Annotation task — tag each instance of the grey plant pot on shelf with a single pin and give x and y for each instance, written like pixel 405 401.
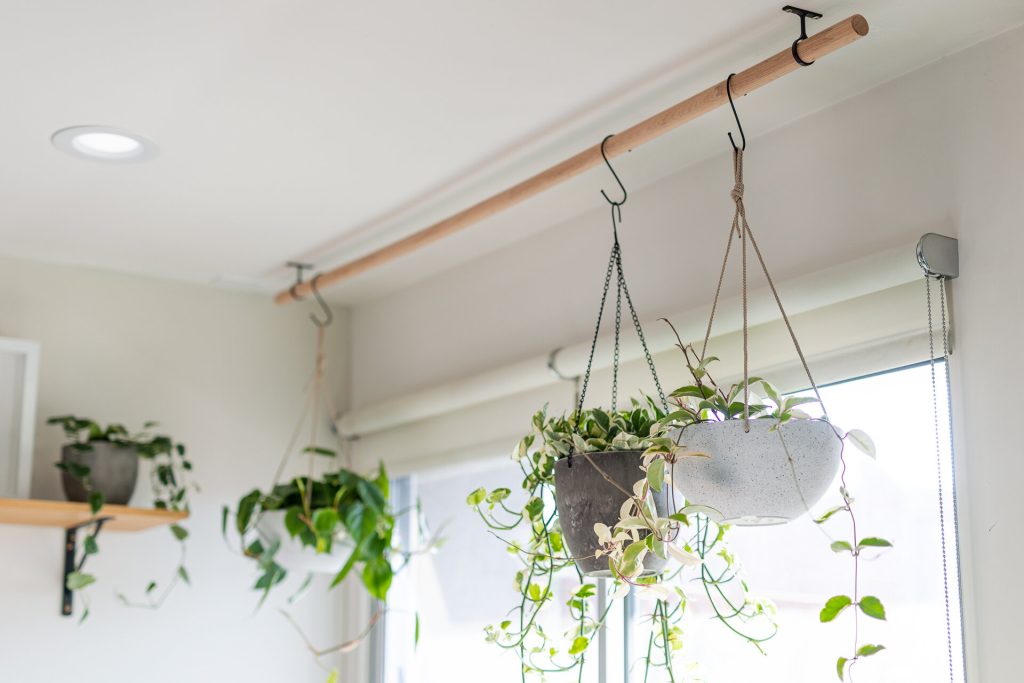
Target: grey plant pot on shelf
pixel 584 498
pixel 114 470
pixel 764 477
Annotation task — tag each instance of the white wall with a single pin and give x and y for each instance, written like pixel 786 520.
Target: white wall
pixel 937 150
pixel 986 104
pixel 224 373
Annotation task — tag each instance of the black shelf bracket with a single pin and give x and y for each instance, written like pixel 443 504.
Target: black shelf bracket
pixel 70 550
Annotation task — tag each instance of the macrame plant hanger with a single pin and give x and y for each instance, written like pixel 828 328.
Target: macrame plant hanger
pixel 318 397
pixel 740 229
pixel 621 292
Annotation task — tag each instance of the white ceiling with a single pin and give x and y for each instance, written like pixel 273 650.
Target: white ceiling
pixel 294 129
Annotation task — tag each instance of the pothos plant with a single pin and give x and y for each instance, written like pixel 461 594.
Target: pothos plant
pixel 340 511
pixel 550 586
pixel 339 507
pixel 705 400
pixel 169 481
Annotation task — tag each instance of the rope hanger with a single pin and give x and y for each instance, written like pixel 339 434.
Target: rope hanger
pixel 740 228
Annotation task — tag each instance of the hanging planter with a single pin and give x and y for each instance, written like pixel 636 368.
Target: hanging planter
pixel 770 475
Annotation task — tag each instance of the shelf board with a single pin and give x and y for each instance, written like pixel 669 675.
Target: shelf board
pixel 65 515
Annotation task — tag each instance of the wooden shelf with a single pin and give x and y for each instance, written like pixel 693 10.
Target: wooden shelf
pixel 65 515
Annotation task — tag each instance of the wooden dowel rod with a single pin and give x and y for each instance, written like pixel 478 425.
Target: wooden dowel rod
pixel 813 48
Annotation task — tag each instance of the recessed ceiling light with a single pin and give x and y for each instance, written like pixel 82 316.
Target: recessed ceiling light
pixel 103 143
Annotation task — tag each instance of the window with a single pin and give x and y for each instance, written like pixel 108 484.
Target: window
pixel 468 584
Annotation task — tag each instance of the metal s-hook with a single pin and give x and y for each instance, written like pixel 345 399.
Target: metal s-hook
pixel 328 313
pixel 804 15
pixel 625 195
pixel 743 136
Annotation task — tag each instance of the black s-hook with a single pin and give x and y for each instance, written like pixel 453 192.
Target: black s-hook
pixel 743 136
pixel 617 205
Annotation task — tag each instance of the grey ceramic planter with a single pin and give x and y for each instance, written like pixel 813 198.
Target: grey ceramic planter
pixel 584 498
pixel 114 470
pixel 748 477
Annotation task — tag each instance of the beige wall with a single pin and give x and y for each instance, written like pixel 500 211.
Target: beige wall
pixel 224 373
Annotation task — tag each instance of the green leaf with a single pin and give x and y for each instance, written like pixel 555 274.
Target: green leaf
pixel 872 606
pixel 224 512
pixel 840 546
pixel 317 450
pixel 324 521
pixel 873 542
pixel 476 497
pixel 841 667
pixel 293 521
pixel 96 500
pixel 579 645
pixel 825 517
pixel 180 532
pixel 78 580
pixel 377 576
pixel 416 631
pixel 632 556
pixel 868 650
pixel 184 575
pixel 498 495
pixel 656 474
pixel 834 606
pixel 862 442
pixel 91 547
pixel 534 508
pixel 77 471
pixel 333 676
pixel 150 587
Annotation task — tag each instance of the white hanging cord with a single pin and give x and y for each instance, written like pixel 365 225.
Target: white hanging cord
pixel 741 229
pixel 938 463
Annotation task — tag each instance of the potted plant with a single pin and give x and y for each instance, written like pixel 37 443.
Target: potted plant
pixel 768 461
pixel 596 456
pixel 99 465
pixel 341 520
pixel 638 535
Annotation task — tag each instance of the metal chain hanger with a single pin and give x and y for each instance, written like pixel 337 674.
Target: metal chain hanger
pixel 740 228
pixel 941 280
pixel 621 292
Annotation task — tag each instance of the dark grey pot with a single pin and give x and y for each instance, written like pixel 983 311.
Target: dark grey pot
pixel 114 472
pixel 584 498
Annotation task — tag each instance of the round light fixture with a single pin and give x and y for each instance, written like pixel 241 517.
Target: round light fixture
pixel 103 143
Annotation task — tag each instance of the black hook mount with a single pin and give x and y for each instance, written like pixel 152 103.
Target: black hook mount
pixel 804 15
pixel 301 268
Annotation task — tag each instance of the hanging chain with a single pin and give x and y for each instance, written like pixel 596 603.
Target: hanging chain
pixel 938 464
pixel 622 292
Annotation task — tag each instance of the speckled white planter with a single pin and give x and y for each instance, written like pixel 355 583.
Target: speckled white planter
pixel 748 477
pixel 294 556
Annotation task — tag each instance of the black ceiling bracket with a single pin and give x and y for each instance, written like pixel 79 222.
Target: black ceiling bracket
pixel 70 550
pixel 804 15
